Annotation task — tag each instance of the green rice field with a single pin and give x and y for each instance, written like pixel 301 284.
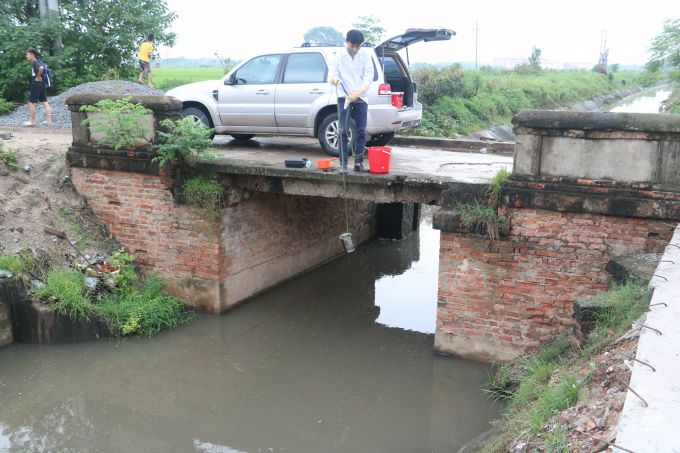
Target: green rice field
pixel 195 74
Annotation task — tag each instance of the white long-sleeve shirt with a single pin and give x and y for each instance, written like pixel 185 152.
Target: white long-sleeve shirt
pixel 353 72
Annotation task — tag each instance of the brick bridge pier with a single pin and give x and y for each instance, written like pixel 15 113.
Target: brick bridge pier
pixel 586 186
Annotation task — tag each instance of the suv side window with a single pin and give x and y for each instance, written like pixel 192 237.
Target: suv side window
pixel 392 69
pixel 307 67
pixel 258 71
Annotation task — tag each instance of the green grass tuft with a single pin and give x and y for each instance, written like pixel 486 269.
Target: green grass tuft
pixel 65 291
pixel 476 216
pixel 495 183
pixel 17 264
pixel 8 156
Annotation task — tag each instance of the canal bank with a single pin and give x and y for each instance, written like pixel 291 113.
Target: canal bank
pixel 339 359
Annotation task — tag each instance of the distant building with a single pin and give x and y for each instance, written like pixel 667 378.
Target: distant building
pixel 579 65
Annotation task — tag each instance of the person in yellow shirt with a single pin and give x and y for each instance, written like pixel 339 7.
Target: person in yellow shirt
pixel 145 51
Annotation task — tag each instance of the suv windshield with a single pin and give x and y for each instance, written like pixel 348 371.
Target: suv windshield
pixel 259 70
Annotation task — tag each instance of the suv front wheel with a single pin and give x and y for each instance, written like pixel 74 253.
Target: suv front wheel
pixel 329 134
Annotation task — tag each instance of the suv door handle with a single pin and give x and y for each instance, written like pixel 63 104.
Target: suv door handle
pixel 262 92
pixel 316 91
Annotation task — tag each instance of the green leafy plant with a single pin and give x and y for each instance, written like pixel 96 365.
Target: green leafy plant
pixel 123 123
pixel 499 381
pixel 187 140
pixel 5 106
pixel 370 27
pixel 8 156
pixel 127 279
pixel 97 35
pixel 326 35
pixel 226 63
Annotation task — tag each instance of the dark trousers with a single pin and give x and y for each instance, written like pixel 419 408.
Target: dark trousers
pixel 359 111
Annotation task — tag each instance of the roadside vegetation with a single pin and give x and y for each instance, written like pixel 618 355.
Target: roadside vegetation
pixel 8 156
pixel 459 102
pixel 111 292
pixel 536 387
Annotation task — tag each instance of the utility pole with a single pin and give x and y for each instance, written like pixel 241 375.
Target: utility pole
pixel 50 8
pixel 476 30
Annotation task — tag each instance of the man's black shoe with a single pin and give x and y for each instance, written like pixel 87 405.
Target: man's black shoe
pixel 342 170
pixel 360 168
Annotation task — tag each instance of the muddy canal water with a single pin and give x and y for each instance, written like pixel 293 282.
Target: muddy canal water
pixel 339 359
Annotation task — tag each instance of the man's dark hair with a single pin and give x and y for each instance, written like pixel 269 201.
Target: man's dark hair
pixel 150 37
pixel 355 37
pixel 33 51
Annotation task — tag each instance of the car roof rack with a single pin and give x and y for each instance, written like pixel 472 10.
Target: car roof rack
pixel 318 44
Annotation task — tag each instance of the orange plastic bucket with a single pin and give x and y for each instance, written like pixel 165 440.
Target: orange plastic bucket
pixel 379 159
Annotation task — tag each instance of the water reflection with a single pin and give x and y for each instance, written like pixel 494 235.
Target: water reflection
pixel 303 368
pixel 646 102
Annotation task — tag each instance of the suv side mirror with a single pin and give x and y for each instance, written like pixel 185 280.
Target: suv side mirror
pixel 228 81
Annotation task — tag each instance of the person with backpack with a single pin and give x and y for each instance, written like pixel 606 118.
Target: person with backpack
pixel 38 93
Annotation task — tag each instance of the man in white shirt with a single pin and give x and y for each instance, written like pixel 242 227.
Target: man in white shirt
pixel 352 71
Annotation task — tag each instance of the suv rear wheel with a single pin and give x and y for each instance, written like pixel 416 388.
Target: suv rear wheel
pixel 198 116
pixel 329 134
pixel 380 139
pixel 242 136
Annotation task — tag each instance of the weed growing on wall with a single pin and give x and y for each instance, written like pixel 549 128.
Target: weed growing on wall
pixel 8 156
pixel 483 216
pixel 479 216
pixel 187 140
pixel 123 123
pixel 208 196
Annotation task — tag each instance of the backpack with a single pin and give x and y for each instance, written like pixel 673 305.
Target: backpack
pixel 46 73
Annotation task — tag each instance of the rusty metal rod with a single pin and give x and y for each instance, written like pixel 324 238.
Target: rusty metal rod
pixel 633 358
pixel 652 328
pixel 674 226
pixel 653 305
pixel 653 275
pixel 668 243
pixel 636 394
pixel 608 443
pixel 663 261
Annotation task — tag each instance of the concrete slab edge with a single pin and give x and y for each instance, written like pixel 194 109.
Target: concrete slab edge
pixel 654 428
pixel 457 145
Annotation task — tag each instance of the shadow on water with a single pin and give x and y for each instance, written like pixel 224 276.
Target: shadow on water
pixel 302 368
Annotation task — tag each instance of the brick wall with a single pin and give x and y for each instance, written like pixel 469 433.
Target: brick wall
pixel 260 241
pixel 497 300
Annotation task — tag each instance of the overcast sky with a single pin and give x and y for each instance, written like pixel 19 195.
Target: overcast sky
pixel 567 31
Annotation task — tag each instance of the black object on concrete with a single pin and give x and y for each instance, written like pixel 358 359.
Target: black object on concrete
pixel 297 162
pixel 397 220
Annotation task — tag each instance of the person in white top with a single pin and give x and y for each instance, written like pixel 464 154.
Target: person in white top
pixel 352 71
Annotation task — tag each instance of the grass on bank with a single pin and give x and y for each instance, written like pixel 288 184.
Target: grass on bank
pixel 549 382
pixel 8 156
pixel 136 307
pixel 459 101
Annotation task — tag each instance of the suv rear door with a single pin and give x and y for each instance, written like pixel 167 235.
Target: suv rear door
pixel 247 104
pixel 303 90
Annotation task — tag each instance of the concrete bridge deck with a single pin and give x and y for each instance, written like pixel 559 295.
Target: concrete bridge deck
pixel 417 175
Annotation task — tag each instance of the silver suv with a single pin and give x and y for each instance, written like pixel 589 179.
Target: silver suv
pixel 287 93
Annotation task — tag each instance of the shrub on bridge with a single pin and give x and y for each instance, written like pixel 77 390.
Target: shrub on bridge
pixel 122 122
pixel 187 140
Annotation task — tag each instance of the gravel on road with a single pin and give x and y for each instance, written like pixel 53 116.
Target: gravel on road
pixel 61 117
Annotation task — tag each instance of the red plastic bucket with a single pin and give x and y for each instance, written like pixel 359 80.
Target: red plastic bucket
pixel 397 99
pixel 379 159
